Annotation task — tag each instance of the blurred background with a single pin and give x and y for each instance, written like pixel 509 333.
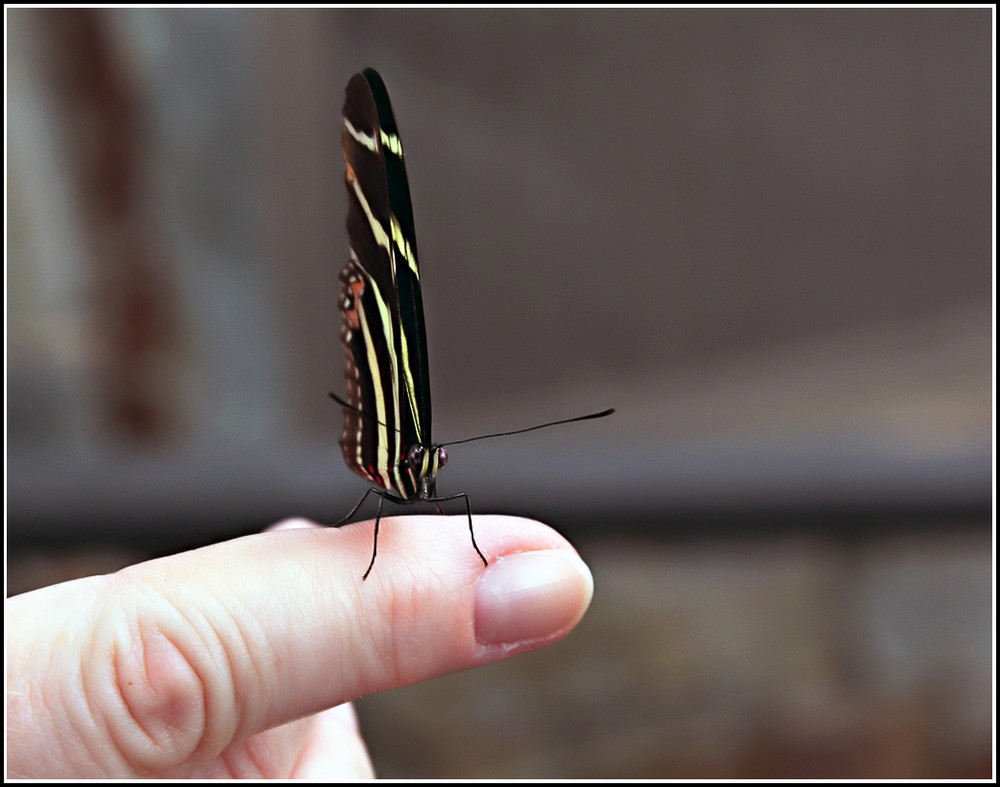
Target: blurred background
pixel 764 236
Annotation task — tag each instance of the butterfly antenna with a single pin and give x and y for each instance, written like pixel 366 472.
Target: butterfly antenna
pixel 533 428
pixel 587 417
pixel 357 410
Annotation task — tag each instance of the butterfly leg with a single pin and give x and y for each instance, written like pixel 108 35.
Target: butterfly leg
pixel 378 518
pixel 382 496
pixel 468 511
pixel 354 510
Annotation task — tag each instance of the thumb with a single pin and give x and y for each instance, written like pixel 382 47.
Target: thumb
pixel 166 666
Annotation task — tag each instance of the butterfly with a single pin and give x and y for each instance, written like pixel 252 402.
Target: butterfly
pixel 386 437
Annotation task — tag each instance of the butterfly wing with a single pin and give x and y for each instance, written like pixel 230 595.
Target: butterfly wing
pixel 381 309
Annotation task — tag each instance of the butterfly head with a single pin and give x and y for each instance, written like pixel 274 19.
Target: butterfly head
pixel 425 462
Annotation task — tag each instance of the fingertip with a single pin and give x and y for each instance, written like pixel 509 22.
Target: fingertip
pixel 531 597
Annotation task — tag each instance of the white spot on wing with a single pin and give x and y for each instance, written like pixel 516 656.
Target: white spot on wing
pixel 365 140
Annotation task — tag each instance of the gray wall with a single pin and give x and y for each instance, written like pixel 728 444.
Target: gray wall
pixel 763 235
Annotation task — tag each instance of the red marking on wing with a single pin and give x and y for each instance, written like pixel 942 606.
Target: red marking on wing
pixel 356 289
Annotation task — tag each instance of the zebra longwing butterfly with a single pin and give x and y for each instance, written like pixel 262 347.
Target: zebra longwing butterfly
pixel 387 414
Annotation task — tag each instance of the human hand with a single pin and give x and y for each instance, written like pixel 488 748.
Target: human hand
pixel 240 659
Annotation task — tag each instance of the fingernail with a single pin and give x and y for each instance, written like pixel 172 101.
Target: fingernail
pixel 531 595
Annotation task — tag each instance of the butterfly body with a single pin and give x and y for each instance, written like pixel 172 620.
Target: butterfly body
pixel 382 314
pixel 386 437
pixel 387 415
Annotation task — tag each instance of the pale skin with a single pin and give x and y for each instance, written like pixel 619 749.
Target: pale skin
pixel 241 659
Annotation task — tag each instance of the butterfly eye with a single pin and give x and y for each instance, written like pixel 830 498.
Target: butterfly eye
pixel 442 456
pixel 415 456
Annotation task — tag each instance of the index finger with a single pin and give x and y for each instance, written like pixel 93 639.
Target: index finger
pixel 186 654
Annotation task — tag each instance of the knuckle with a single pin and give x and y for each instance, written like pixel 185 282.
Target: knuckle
pixel 161 685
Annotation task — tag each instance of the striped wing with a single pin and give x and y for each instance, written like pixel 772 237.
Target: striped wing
pixel 382 314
